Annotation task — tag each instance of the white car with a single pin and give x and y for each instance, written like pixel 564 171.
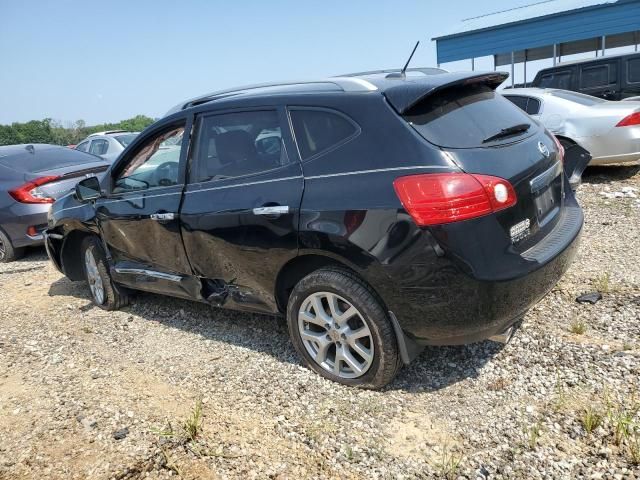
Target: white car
pixel 610 131
pixel 107 145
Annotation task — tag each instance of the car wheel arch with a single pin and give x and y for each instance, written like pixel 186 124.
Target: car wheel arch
pixel 302 265
pixel 71 255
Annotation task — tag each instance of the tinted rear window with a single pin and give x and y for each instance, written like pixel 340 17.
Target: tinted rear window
pixel 556 80
pixel 319 130
pixel 576 97
pixel 125 140
pixel 463 117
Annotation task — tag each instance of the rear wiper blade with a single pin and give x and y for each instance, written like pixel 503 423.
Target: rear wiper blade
pixel 506 132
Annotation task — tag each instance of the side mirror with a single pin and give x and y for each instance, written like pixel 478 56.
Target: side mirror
pixel 88 189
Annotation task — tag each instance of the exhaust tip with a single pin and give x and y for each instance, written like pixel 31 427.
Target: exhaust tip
pixel 503 337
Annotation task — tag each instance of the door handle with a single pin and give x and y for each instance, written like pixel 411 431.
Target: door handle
pixel 162 216
pixel 272 211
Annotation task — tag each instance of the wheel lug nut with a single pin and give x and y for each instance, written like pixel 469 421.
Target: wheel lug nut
pixel 329 337
pixel 344 337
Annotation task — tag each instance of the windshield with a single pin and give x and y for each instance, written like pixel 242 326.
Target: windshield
pixel 125 140
pixel 576 97
pixel 468 117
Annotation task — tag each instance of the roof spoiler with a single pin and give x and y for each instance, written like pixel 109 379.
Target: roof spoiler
pixel 408 93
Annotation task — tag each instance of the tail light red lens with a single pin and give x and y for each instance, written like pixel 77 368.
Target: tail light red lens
pixel 433 199
pixel 559 147
pixel 30 193
pixel 630 120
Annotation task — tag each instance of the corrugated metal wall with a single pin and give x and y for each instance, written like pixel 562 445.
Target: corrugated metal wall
pixel 620 17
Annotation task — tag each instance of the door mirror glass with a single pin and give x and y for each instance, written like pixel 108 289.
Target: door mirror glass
pixel 88 189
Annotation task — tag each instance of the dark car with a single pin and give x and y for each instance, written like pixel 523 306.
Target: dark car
pixel 613 77
pixel 31 178
pixel 379 213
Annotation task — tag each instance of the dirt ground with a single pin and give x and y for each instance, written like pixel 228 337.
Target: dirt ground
pixel 167 388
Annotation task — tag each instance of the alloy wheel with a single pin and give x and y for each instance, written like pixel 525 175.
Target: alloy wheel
pixel 93 277
pixel 3 250
pixel 335 335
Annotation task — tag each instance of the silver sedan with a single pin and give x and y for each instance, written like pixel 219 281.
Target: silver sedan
pixel 610 131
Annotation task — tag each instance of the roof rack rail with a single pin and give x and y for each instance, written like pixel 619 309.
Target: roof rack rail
pixel 425 70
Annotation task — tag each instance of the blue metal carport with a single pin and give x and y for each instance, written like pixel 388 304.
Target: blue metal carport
pixel 546 29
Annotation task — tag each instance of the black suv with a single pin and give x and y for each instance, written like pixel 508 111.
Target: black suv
pixel 613 78
pixel 379 213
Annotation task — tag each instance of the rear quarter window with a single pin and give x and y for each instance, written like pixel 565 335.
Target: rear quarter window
pixel 463 117
pixel 318 130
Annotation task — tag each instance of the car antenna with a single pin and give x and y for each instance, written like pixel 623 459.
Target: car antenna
pixel 401 73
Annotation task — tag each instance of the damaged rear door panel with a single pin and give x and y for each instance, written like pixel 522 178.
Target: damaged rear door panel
pixel 239 215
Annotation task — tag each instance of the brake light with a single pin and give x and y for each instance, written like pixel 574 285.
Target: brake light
pixel 629 120
pixel 433 199
pixel 559 147
pixel 30 193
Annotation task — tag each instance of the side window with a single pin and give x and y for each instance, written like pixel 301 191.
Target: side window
pixel 533 106
pixel 319 130
pixel 518 101
pixel 83 146
pixel 633 70
pixel 99 147
pixel 237 144
pixel 556 80
pixel 154 164
pixel 596 76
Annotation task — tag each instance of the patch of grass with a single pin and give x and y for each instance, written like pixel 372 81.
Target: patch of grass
pixel 448 462
pixel 577 327
pixel 602 283
pixel 633 446
pixel 559 400
pixel 591 419
pixel 532 434
pixel 192 426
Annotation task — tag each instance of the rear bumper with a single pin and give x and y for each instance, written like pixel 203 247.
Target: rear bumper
pixel 446 303
pixel 16 229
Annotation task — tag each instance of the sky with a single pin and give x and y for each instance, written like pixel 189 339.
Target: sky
pixel 104 61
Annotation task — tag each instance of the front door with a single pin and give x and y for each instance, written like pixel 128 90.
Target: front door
pixel 240 210
pixel 138 216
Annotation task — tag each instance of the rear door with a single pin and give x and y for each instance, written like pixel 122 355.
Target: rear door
pixel 138 216
pixel 241 206
pixel 600 79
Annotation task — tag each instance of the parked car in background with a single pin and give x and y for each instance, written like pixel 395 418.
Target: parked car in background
pixel 392 212
pixel 107 145
pixel 31 178
pixel 610 131
pixel 612 77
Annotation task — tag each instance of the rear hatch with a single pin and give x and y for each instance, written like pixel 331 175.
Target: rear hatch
pixel 483 133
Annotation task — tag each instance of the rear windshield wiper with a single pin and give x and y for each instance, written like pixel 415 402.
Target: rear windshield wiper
pixel 507 132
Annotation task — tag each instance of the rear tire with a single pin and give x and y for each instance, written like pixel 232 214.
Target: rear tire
pixel 104 292
pixel 341 330
pixel 9 253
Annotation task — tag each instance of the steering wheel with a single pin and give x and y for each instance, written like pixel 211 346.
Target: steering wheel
pixel 166 174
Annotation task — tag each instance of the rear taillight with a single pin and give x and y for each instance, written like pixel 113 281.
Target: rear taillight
pixel 31 193
pixel 630 120
pixel 433 199
pixel 559 147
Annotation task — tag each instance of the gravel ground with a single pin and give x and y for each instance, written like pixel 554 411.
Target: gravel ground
pixel 91 394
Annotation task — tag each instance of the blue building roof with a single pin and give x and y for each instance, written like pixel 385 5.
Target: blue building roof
pixel 537 25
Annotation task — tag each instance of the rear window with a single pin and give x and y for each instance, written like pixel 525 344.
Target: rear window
pixel 579 98
pixel 462 117
pixel 633 70
pixel 317 131
pixel 125 140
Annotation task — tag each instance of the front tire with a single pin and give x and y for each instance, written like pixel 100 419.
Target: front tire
pixel 341 330
pixel 8 253
pixel 104 292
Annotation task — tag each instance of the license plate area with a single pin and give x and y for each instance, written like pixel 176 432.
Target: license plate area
pixel 546 189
